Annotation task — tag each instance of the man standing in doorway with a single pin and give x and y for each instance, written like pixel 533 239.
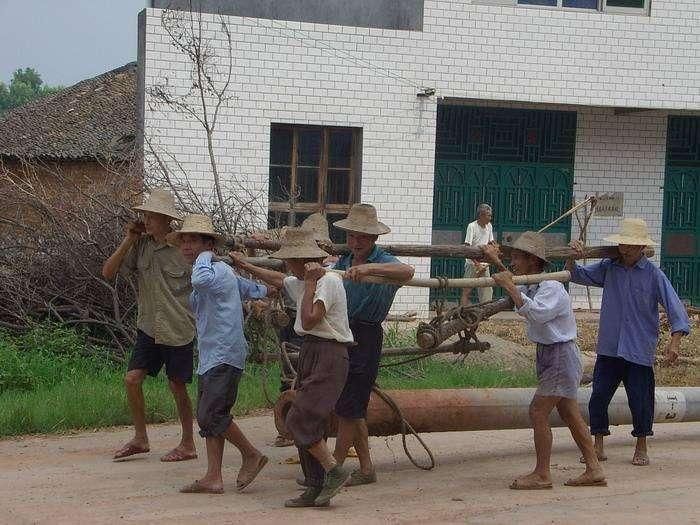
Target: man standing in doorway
pixel 368 306
pixel 479 233
pixel 165 327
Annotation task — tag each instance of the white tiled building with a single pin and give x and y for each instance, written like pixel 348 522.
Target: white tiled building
pixel 534 105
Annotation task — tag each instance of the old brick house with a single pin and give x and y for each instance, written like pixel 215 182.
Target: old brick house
pixel 86 131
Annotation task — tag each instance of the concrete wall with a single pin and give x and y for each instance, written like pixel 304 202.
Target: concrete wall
pixel 386 14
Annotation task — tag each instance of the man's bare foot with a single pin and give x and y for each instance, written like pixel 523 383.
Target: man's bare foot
pixel 640 458
pixel 590 478
pixel 204 486
pixel 135 446
pixel 250 468
pixel 180 453
pixel 532 481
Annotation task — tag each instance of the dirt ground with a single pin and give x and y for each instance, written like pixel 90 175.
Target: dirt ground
pixel 71 479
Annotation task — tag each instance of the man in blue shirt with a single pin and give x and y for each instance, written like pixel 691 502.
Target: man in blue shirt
pixel 368 306
pixel 551 324
pixel 216 301
pixel 629 331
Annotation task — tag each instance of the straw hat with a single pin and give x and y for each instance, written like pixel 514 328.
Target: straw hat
pixel 362 219
pixel 160 201
pixel 200 224
pixel 318 225
pixel 532 243
pixel 634 232
pixel 299 243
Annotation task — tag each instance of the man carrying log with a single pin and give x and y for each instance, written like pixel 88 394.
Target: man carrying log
pixel 322 321
pixel 217 301
pixel 550 320
pixel 628 334
pixel 165 329
pixel 368 306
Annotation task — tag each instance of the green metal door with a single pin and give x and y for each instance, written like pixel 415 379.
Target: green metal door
pixel 518 161
pixel 680 253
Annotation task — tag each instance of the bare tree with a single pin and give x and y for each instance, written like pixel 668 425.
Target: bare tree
pixel 235 207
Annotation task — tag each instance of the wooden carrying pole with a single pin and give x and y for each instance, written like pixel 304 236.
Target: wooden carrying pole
pixel 458 251
pixel 566 214
pixel 476 282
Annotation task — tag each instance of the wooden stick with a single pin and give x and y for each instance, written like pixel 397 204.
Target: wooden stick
pixel 459 251
pixel 477 282
pixel 572 210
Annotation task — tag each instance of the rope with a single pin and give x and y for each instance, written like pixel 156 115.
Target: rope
pixel 406 428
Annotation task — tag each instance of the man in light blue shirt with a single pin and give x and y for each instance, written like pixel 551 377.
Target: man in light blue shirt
pixel 628 332
pixel 216 301
pixel 551 325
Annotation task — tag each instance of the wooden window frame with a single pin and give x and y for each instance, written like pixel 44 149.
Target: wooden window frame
pixel 292 207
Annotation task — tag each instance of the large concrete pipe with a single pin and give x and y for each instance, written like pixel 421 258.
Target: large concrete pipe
pixel 495 409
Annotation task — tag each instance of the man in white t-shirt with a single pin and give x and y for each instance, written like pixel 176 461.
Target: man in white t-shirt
pixel 322 368
pixel 479 233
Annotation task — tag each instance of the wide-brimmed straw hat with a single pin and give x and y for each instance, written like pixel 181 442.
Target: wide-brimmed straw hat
pixel 199 224
pixel 299 243
pixel 532 243
pixel 634 232
pixel 362 219
pixel 160 201
pixel 318 225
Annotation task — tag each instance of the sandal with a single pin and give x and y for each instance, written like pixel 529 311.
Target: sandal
pixel 246 478
pixel 587 480
pixel 530 484
pixel 198 488
pixel 129 450
pixel 178 454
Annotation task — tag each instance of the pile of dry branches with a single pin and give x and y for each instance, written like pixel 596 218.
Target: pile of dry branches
pixel 56 230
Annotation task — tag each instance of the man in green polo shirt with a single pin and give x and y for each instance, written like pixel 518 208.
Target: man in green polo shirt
pixel 165 326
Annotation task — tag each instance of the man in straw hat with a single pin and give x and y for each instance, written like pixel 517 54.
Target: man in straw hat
pixel 322 320
pixel 165 329
pixel 550 321
pixel 368 306
pixel 628 334
pixel 318 225
pixel 216 300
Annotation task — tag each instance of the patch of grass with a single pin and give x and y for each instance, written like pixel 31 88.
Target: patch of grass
pixel 52 381
pixel 397 336
pixel 434 372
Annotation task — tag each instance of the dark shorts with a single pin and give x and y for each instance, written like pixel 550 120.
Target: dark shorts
pixel 217 392
pixel 364 367
pixel 151 357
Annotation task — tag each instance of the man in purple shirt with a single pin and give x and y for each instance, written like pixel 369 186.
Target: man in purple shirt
pixel 633 288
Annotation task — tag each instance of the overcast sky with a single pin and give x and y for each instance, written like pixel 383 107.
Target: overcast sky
pixel 67 40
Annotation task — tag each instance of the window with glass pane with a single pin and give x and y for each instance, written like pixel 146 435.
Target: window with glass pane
pixel 312 168
pixel 635 4
pixel 550 3
pixel 581 4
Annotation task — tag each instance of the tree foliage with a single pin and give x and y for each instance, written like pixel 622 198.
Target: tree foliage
pixel 26 85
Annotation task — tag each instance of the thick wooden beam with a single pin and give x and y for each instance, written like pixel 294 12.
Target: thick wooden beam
pixel 458 251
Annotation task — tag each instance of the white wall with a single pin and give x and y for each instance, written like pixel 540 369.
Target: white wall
pixel 317 74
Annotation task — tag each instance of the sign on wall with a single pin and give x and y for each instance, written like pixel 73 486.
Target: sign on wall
pixel 609 204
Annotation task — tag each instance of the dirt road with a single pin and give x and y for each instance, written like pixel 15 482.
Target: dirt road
pixel 71 479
